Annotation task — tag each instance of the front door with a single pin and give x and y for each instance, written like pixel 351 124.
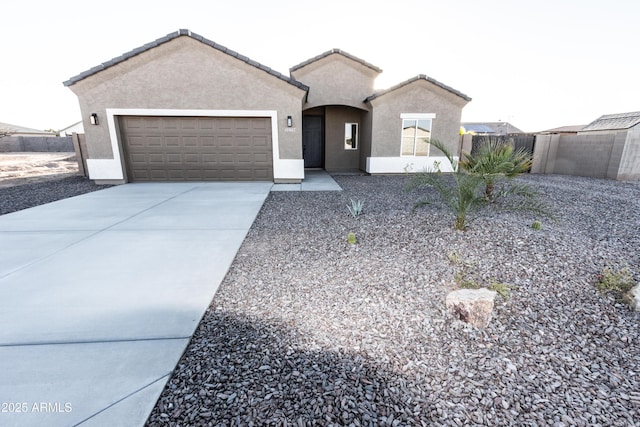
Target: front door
pixel 312 141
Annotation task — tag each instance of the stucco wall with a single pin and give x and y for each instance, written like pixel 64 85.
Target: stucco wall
pixel 597 154
pixel 420 96
pixel 630 158
pixel 365 146
pixel 336 157
pixel 336 80
pixel 187 74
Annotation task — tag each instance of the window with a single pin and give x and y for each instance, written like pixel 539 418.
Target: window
pixel 350 136
pixel 416 133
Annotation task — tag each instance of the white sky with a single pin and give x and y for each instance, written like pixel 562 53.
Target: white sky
pixel 537 64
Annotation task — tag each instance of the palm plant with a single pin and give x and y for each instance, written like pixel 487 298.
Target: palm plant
pixel 462 191
pixel 495 160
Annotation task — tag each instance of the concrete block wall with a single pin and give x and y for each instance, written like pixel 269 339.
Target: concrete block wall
pixel 614 155
pixel 630 159
pixel 19 144
pixel 584 155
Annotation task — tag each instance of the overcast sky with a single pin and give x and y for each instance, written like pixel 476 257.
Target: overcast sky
pixel 537 64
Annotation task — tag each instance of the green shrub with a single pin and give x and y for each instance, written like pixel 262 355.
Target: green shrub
pixel 502 289
pixel 351 238
pixel 616 282
pixel 536 225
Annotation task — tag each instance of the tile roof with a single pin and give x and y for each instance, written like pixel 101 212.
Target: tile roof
pixel 331 52
pixel 564 129
pixel 414 79
pixel 614 121
pixel 174 35
pixel 496 128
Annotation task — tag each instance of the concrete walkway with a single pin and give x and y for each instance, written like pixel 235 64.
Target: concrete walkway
pixel 314 180
pixel 101 293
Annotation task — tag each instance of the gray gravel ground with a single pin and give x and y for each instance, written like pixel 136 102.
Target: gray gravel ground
pixel 308 330
pixel 29 195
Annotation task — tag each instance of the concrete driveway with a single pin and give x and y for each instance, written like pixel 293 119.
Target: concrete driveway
pixel 100 294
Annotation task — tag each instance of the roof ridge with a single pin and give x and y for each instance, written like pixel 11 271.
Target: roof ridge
pixel 182 32
pixel 414 79
pixel 331 52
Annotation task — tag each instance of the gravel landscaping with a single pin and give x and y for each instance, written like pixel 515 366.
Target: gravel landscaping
pixel 18 197
pixel 307 329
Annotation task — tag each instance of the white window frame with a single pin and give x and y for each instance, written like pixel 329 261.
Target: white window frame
pixel 357 144
pixel 415 116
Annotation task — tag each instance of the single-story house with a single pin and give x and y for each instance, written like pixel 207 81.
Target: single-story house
pixel 490 128
pixel 18 139
pixel 613 123
pixel 562 130
pixel 77 127
pixel 186 108
pixel 15 131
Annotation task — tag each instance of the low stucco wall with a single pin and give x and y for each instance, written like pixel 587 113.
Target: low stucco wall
pixel 598 155
pixel 630 158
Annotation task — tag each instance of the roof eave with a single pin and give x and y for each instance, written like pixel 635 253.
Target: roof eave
pixel 334 52
pixel 172 36
pixel 415 79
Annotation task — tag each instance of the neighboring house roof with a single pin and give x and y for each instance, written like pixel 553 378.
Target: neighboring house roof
pixel 21 130
pixel 168 38
pixel 332 52
pixel 76 127
pixel 414 79
pixel 614 121
pixel 564 129
pixel 495 128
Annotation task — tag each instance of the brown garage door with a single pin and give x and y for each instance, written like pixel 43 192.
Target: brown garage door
pixel 197 148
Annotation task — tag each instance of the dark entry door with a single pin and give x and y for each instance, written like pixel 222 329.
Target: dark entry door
pixel 312 141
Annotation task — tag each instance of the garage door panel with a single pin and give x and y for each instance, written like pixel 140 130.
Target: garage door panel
pixel 197 148
pixel 154 158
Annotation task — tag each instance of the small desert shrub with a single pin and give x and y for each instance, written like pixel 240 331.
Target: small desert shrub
pixel 453 258
pixel 351 238
pixel 536 225
pixel 502 289
pixel 355 208
pixel 616 282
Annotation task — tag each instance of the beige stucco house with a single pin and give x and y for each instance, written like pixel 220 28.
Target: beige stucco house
pixel 186 108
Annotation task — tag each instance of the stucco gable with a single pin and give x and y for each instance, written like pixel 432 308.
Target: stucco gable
pixel 359 62
pixel 170 37
pixel 419 78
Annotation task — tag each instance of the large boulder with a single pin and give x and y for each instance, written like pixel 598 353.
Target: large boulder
pixel 473 306
pixel 633 297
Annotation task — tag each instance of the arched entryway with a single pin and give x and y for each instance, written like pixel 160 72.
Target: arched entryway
pixel 333 137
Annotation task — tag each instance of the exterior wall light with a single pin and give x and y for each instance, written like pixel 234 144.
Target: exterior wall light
pixel 289 121
pixel 93 119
